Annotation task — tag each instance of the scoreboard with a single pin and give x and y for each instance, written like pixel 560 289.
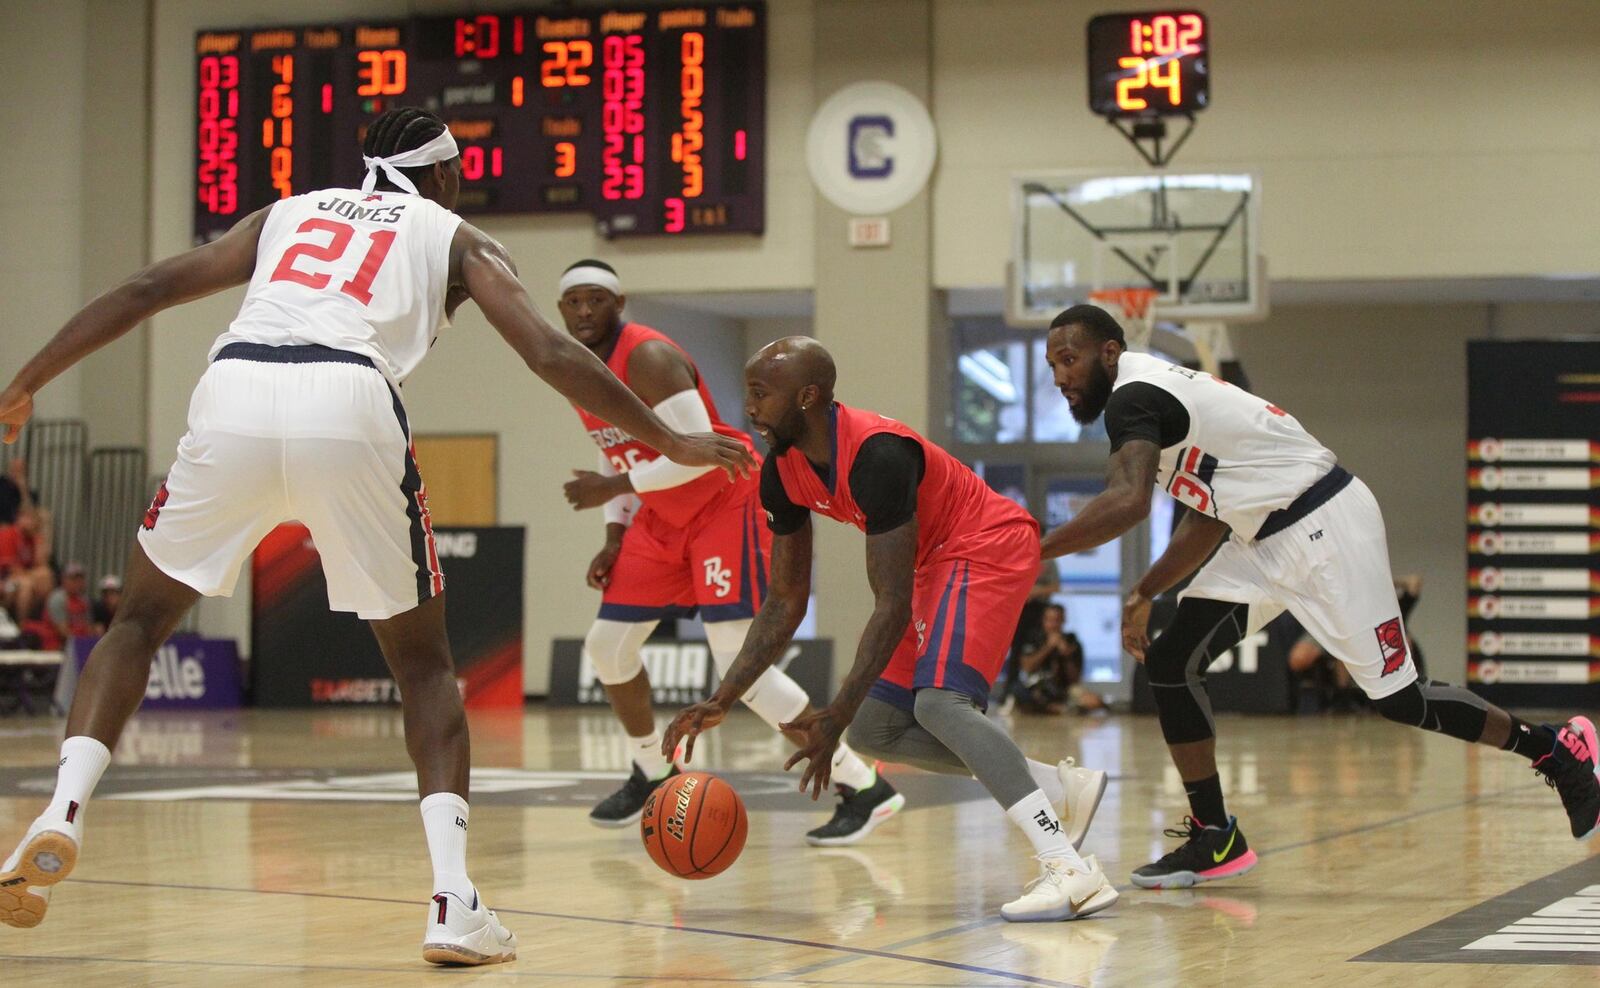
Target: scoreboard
pixel 650 118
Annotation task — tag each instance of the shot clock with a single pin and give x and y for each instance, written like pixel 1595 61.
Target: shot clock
pixel 650 118
pixel 1149 64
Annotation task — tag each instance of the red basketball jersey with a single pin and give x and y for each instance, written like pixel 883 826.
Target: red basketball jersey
pixel 956 510
pixel 675 504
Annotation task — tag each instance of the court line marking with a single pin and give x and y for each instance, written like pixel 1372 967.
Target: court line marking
pixel 860 952
pixel 435 971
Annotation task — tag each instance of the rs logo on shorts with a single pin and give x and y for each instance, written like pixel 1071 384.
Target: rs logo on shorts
pixel 1392 643
pixel 718 576
pixel 154 512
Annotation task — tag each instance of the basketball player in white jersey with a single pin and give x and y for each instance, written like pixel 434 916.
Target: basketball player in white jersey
pixel 1301 534
pixel 299 417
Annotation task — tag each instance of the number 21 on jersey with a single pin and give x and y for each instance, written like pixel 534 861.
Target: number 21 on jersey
pixel 358 287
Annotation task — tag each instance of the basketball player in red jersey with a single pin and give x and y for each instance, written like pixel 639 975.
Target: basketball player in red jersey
pixel 1274 524
pixel 950 563
pixel 678 538
pixel 299 416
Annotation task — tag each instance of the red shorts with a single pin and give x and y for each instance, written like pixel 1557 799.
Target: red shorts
pixel 964 611
pixel 718 562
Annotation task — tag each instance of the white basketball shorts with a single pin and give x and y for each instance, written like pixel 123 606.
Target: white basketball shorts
pixel 306 434
pixel 1330 570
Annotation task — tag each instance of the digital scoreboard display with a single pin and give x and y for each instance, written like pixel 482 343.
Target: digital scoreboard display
pixel 1149 64
pixel 650 118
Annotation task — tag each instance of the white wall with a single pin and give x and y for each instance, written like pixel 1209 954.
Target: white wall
pixel 1397 138
pixel 42 73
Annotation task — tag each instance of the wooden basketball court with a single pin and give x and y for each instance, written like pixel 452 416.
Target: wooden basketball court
pixel 286 848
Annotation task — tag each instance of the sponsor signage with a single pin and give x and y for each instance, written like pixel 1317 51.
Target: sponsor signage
pixel 187 673
pixel 1533 506
pixel 303 654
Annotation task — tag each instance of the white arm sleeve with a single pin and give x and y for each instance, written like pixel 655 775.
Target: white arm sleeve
pixel 685 412
pixel 620 509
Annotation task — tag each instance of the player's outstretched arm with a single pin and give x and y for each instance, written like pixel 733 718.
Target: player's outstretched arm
pixel 225 262
pixel 1130 481
pixel 891 563
pixel 486 271
pixel 1196 537
pixel 774 625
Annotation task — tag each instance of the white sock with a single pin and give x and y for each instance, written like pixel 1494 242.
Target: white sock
pixel 1037 818
pixel 647 755
pixel 850 770
pixel 444 820
pixel 1048 781
pixel 83 761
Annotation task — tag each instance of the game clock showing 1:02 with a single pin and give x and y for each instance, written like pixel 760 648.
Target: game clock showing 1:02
pixel 1149 64
pixel 652 119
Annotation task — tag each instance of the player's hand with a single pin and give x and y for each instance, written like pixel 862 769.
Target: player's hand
pixel 685 727
pixel 822 730
pixel 1136 625
pixel 600 566
pixel 588 489
pixel 707 449
pixel 16 407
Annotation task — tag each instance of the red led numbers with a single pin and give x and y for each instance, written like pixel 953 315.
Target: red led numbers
pixel 622 117
pixel 217 175
pixel 691 137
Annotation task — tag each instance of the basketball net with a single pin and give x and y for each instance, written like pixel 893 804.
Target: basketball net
pixel 1137 308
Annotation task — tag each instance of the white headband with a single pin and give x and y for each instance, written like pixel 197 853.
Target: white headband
pixel 591 275
pixel 441 148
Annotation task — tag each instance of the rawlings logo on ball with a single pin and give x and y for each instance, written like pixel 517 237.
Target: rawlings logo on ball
pixel 680 812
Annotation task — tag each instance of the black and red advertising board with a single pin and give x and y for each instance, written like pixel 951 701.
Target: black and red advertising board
pixel 1533 522
pixel 303 654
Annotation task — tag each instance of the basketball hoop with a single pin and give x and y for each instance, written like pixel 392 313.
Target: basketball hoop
pixel 1138 311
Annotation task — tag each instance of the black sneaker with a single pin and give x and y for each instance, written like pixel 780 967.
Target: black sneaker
pixel 858 814
pixel 1207 854
pixel 624 806
pixel 1570 770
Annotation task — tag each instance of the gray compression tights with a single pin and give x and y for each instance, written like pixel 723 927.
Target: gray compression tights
pixel 948 734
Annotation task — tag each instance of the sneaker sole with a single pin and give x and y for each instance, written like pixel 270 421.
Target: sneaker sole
pixel 46 859
pixel 450 953
pixel 1189 879
pixel 1102 899
pixel 1586 727
pixel 882 812
pixel 1091 799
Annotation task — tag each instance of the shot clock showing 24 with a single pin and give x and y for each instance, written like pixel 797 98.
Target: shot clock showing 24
pixel 1149 64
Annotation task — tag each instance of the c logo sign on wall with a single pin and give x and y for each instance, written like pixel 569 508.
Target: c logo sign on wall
pixel 871 147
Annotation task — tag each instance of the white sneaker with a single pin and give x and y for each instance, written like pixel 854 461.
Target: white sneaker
pixel 459 934
pixel 1061 892
pixel 1083 788
pixel 45 856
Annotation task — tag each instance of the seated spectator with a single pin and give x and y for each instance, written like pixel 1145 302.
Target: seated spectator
pixel 14 492
pixel 68 612
pixel 1050 669
pixel 105 605
pixel 25 577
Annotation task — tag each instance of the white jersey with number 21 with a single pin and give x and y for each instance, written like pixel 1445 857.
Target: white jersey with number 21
pixel 357 271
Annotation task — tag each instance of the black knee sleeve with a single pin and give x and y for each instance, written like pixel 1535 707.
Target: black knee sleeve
pixel 1176 663
pixel 1437 707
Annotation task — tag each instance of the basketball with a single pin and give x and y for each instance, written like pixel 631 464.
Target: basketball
pixel 694 825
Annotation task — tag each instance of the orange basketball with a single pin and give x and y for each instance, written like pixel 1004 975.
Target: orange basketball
pixel 694 825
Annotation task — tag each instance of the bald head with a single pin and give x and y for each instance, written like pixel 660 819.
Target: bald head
pixel 797 361
pixel 787 384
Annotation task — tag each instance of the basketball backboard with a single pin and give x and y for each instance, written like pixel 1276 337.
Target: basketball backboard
pixel 1191 236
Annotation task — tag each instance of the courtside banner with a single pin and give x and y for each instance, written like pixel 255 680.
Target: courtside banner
pixel 681 672
pixel 306 655
pixel 1533 522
